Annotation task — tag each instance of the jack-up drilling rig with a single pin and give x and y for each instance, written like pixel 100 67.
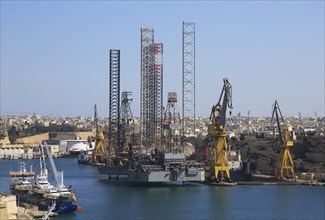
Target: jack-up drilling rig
pixel 284 162
pixel 148 162
pixel 219 169
pixel 99 152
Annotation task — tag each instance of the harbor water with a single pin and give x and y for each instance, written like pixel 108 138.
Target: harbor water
pixel 103 199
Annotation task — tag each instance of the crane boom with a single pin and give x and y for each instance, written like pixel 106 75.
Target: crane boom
pixel 96 119
pixel 218 113
pixel 219 168
pixel 276 109
pixel 284 162
pixel 99 151
pixel 227 101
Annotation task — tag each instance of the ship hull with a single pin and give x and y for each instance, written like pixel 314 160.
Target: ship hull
pixel 63 205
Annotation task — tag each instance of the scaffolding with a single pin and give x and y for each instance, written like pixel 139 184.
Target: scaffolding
pixel 188 88
pixel 114 103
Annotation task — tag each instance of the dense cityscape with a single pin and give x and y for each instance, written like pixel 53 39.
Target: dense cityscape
pixel 236 125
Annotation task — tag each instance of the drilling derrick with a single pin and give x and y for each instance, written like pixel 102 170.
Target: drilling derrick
pixel 284 162
pixel 127 123
pixel 172 125
pixel 99 151
pixel 219 168
pixel 151 90
pixel 114 103
pixel 146 105
pixel 158 99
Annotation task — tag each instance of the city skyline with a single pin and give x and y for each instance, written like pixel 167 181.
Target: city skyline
pixel 54 55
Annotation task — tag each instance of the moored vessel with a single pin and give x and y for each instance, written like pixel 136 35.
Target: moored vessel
pixel 38 191
pixel 21 180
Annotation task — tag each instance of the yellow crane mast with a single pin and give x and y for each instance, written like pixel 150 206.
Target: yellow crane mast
pixel 285 162
pixel 219 169
pixel 99 151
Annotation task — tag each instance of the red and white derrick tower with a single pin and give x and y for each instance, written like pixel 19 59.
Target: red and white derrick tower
pixel 151 90
pixel 172 125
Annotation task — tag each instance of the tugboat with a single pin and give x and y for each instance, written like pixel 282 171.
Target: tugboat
pixel 41 193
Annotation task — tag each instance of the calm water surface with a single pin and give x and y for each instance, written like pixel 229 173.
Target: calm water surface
pixel 102 199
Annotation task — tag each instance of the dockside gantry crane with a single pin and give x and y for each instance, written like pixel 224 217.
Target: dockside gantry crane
pixel 219 168
pixel 99 152
pixel 284 162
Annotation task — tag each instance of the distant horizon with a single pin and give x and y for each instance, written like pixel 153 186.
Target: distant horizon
pixel 54 54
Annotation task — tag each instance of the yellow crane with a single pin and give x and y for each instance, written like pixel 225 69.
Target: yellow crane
pixel 219 169
pixel 99 151
pixel 284 163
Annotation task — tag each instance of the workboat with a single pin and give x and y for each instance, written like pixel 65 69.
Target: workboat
pixel 21 180
pixel 64 192
pixel 66 202
pixel 43 187
pixel 39 191
pixel 41 184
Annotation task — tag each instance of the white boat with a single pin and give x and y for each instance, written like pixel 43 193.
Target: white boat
pixel 62 190
pixel 41 184
pixel 77 146
pixel 51 193
pixel 21 180
pixel 23 185
pixel 43 194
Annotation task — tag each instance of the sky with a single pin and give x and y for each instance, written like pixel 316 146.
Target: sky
pixel 55 54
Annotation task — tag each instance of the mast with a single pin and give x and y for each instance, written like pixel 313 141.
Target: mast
pixel 55 172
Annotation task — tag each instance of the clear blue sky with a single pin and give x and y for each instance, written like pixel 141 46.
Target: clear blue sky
pixel 54 55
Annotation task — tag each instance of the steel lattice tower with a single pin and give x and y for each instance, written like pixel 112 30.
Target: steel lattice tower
pixel 151 90
pixel 172 124
pixel 126 105
pixel 146 105
pixel 158 99
pixel 114 101
pixel 188 78
pixel 127 123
